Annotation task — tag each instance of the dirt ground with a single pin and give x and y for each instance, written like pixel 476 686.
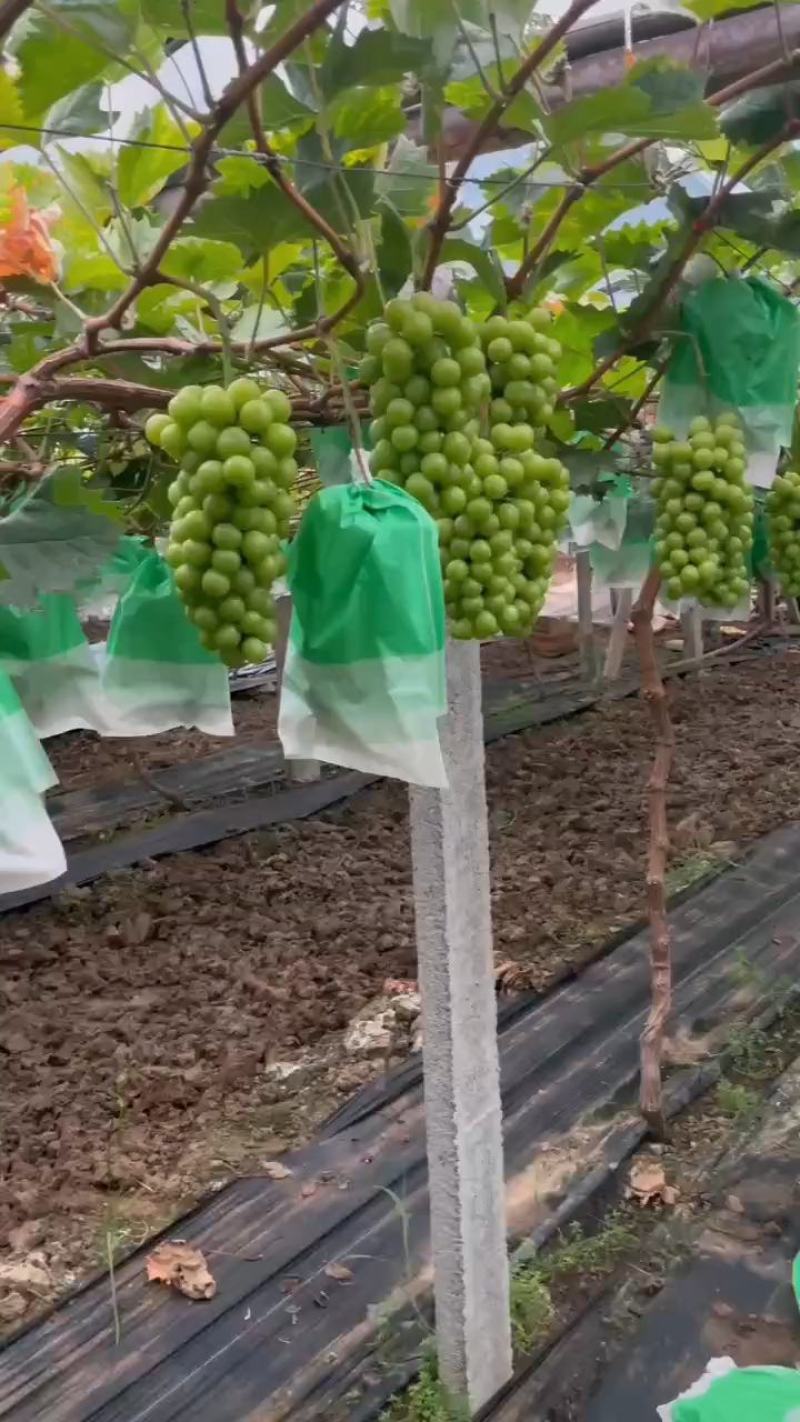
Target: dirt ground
pixel 142 1016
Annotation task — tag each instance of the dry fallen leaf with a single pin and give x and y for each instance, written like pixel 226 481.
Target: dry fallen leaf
pixel 339 1272
pixel 180 1266
pixel 275 1171
pixel 648 1185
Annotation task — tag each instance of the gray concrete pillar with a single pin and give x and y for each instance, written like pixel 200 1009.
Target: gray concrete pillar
pixel 450 854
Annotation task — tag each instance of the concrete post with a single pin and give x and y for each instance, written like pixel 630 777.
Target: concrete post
pixel 692 633
pixel 618 640
pixel 450 855
pixel 586 642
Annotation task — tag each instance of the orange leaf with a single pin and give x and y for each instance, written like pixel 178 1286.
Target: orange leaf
pixel 25 246
pixel 181 1267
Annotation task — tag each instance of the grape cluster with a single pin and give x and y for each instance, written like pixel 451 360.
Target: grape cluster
pixel 704 528
pixel 231 506
pixel 783 530
pixel 469 458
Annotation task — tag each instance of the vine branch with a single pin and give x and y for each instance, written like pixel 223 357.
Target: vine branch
pixel 490 122
pixel 346 258
pixel 196 180
pixel 654 695
pixel 10 12
pixel 694 236
pixel 515 285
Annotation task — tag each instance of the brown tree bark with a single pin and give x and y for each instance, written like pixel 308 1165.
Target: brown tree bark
pixel 652 1039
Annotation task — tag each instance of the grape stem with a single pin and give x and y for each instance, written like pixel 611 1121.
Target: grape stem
pixel 653 693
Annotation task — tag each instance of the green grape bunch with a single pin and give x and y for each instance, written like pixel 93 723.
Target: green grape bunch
pixel 452 410
pixel 704 527
pixel 783 530
pixel 232 503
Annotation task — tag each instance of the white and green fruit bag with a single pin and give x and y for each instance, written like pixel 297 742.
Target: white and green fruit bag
pixel 50 662
pixel 30 850
pixel 726 1393
pixel 738 349
pixel 156 674
pixel 364 678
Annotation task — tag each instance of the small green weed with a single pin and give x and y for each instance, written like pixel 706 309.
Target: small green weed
pixel 532 1311
pixel 736 1102
pixel 687 871
pixel 579 1253
pixel 750 1051
pixel 426 1400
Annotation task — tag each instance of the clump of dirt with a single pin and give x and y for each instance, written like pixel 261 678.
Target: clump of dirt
pixel 140 1015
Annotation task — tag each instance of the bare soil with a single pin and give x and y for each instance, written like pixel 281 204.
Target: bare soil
pixel 138 1015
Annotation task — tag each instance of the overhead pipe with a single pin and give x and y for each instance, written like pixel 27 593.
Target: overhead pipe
pixel 724 51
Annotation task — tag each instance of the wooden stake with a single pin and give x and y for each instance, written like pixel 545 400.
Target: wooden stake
pixel 652 1039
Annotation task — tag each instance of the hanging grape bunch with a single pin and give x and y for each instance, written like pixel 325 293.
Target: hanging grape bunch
pixel 783 530
pixel 430 392
pixel 535 495
pixel 704 528
pixel 231 506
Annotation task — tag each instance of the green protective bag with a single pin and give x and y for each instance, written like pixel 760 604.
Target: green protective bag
pixel 364 680
pixel 760 560
pixel 741 351
pixel 54 670
pixel 617 530
pixel 156 674
pixel 30 850
pixel 726 1393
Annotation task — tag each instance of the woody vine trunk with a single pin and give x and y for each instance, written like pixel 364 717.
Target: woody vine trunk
pixel 654 695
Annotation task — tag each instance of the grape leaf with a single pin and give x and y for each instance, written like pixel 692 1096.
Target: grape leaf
pixel 80 112
pixel 257 323
pixel 484 262
pixel 11 111
pixel 757 117
pixel 428 18
pixel 659 99
pixel 338 194
pixel 202 260
pixel 87 176
pixel 402 182
pixel 708 9
pixel 280 107
pixel 70 45
pixel 142 172
pixel 207 16
pixel 394 249
pixel 251 221
pixel 365 117
pixel 239 175
pixel 378 57
pixel 54 540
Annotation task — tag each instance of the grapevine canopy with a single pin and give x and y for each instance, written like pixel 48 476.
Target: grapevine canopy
pixel 189 187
